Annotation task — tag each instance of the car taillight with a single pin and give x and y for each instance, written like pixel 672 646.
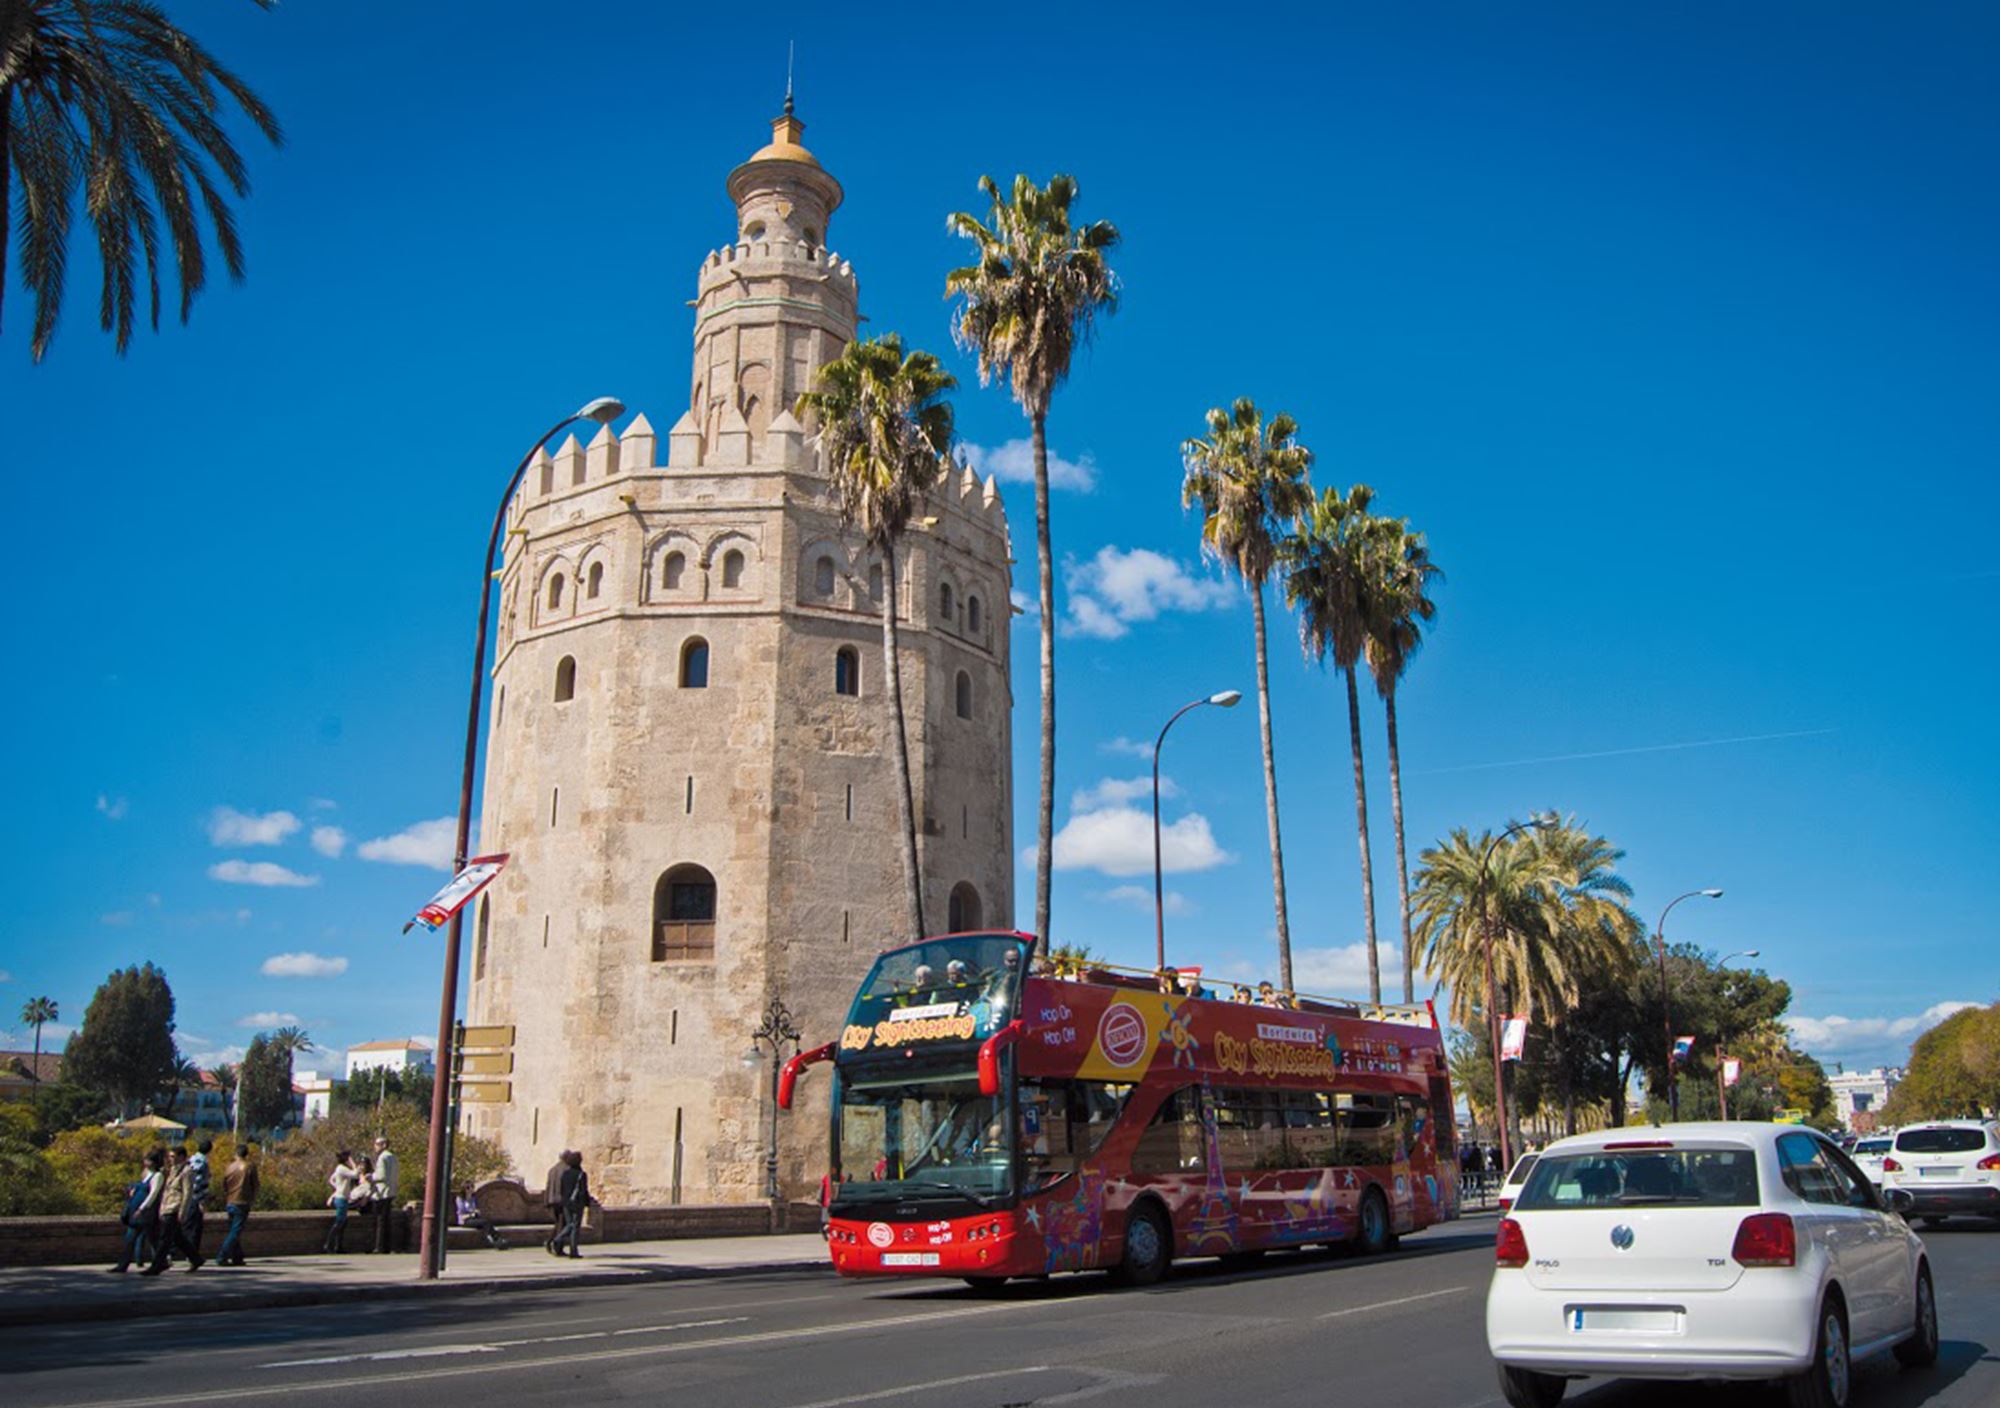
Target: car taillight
pixel 1511 1247
pixel 1889 1165
pixel 1766 1239
pixel 1506 1205
pixel 1989 1163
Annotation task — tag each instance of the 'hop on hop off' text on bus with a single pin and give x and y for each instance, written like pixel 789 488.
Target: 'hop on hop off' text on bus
pixel 990 1122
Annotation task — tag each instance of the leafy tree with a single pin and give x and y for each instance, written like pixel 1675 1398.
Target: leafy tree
pixel 366 1090
pixel 885 428
pixel 1328 582
pixel 1953 1071
pixel 1035 293
pixel 264 1090
pixel 63 1106
pixel 1400 579
pixel 36 1012
pixel 1249 477
pixel 95 1166
pixel 109 100
pixel 295 1168
pixel 29 1186
pixel 126 1045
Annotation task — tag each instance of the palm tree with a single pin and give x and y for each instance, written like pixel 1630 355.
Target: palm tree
pixel 1403 572
pixel 1327 582
pixel 292 1040
pixel 1035 293
pixel 109 99
pixel 226 1077
pixel 884 430
pixel 180 1075
pixel 37 1012
pixel 1250 479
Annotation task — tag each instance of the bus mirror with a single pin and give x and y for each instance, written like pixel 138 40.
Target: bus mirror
pixel 789 1076
pixel 989 1057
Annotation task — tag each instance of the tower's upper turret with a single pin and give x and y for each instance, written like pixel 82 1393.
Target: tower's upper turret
pixel 782 192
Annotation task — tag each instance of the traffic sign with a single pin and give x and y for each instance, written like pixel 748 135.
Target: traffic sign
pixel 486 1063
pixel 485 1037
pixel 495 1092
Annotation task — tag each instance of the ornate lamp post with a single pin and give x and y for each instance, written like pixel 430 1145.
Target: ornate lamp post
pixel 1539 823
pixel 1667 1001
pixel 1226 699
pixel 774 1031
pixel 430 1246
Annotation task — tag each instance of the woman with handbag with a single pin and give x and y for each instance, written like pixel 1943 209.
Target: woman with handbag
pixel 142 1212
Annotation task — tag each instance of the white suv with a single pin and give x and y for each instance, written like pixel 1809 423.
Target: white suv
pixel 1947 1166
pixel 1703 1251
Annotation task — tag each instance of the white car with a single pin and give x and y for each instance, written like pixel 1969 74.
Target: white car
pixel 1946 1166
pixel 1703 1251
pixel 1516 1180
pixel 1867 1154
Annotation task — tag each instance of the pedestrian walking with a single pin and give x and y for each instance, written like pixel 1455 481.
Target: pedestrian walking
pixel 174 1193
pixel 346 1173
pixel 142 1211
pixel 552 1196
pixel 388 1174
pixel 575 1186
pixel 239 1195
pixel 194 1212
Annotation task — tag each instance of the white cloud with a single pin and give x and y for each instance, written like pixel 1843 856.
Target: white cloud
pixel 329 841
pixel 269 1019
pixel 1132 747
pixel 1014 463
pixel 114 808
pixel 1117 587
pixel 426 843
pixel 1119 841
pixel 1833 1034
pixel 1141 897
pixel 258 872
pixel 117 918
pixel 1118 792
pixel 1338 970
pixel 54 1034
pixel 322 804
pixel 302 965
pixel 5 976
pixel 208 1056
pixel 229 827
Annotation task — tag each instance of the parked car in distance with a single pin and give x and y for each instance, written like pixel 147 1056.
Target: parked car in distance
pixel 1947 1167
pixel 1867 1154
pixel 1517 1177
pixel 1704 1251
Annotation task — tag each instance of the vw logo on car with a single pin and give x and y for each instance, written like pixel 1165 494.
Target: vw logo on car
pixel 1621 1237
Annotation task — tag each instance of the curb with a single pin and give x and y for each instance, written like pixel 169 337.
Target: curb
pixel 149 1307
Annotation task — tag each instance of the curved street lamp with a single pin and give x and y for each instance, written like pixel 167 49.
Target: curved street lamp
pixel 774 1031
pixel 1533 823
pixel 1666 998
pixel 430 1245
pixel 1222 699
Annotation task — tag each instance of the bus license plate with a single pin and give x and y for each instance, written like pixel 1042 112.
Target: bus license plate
pixel 909 1258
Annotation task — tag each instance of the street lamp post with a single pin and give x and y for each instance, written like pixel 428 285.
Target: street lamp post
pixel 603 410
pixel 1225 699
pixel 1538 823
pixel 775 1030
pixel 1666 998
pixel 1722 1085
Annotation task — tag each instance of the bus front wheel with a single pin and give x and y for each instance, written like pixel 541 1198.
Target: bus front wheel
pixel 1148 1247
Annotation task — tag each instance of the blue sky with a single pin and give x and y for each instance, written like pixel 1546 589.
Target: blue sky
pixel 1672 326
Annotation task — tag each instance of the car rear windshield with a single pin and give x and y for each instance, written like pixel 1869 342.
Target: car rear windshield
pixel 1872 1146
pixel 1600 1178
pixel 1940 1141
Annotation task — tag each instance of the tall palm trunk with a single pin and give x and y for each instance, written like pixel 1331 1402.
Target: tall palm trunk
pixel 1045 831
pixel 1402 864
pixel 1361 825
pixel 1271 791
pixel 38 1025
pixel 906 804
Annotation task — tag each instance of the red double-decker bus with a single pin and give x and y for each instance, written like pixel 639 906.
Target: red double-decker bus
pixel 991 1123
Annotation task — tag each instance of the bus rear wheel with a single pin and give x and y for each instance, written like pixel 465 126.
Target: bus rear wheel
pixel 1148 1247
pixel 1374 1237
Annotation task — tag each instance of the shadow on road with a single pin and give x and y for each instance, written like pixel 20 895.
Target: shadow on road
pixel 1879 1383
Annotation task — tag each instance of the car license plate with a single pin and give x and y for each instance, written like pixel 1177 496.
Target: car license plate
pixel 909 1258
pixel 1586 1319
pixel 1937 1171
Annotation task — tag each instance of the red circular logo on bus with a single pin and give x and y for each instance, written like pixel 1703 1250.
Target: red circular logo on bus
pixel 879 1234
pixel 1121 1034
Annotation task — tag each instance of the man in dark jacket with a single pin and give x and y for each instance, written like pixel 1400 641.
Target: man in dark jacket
pixel 574 1184
pixel 552 1197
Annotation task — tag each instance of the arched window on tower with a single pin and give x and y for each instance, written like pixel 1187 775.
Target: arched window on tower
pixel 847 670
pixel 732 569
pixel 962 695
pixel 555 590
pixel 944 602
pixel 973 615
pixel 672 570
pixel 594 583
pixel 565 679
pixel 684 916
pixel 875 584
pixel 694 664
pixel 823 577
pixel 964 909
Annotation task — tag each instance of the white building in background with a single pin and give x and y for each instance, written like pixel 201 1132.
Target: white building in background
pixel 1859 1096
pixel 318 1092
pixel 402 1057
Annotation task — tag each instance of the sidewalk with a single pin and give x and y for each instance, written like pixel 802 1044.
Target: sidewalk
pixel 43 1295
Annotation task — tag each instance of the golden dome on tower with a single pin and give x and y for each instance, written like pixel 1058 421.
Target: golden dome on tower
pixel 784 144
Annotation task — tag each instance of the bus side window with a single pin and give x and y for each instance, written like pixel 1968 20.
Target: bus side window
pixel 1098 1105
pixel 1172 1143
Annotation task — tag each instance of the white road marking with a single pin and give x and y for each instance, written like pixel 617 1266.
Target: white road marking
pixel 561 1360
pixel 924 1387
pixel 1385 1304
pixel 494 1346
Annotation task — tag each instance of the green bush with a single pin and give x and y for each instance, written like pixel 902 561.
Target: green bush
pixel 295 1169
pixel 95 1166
pixel 28 1186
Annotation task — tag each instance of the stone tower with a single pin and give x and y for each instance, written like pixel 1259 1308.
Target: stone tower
pixel 689 757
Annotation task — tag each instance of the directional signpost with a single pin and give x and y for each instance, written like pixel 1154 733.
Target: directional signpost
pixel 481 1060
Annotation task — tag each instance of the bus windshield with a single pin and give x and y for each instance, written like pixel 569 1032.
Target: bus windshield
pixel 965 987
pixel 936 1135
